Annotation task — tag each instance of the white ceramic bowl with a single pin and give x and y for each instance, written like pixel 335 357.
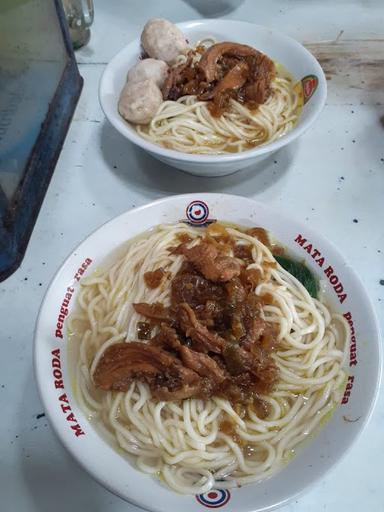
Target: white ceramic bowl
pixel 114 471
pixel 276 45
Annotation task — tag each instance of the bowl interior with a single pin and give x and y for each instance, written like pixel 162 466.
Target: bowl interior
pixel 116 472
pixel 288 52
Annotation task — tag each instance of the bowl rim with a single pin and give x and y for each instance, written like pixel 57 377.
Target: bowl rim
pixel 297 131
pixel 71 445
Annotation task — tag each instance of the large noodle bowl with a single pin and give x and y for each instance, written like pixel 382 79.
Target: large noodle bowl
pixel 188 124
pixel 196 443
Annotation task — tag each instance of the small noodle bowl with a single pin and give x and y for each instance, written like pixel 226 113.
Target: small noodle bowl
pixel 342 291
pixel 302 66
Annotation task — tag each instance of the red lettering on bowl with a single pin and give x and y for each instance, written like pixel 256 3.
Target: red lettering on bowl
pixel 63 398
pixel 64 311
pixel 341 293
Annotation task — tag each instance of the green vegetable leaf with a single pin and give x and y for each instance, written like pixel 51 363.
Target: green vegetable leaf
pixel 302 274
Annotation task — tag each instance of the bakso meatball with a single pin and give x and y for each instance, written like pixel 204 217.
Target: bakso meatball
pixel 139 101
pixel 148 69
pixel 162 40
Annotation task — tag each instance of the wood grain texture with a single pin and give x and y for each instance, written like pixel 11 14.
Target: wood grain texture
pixel 356 64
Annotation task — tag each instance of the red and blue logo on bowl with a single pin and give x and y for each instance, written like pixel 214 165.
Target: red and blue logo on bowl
pixel 197 212
pixel 215 498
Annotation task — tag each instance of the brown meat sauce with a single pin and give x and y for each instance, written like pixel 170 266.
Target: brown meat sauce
pixel 153 279
pixel 144 330
pixel 225 71
pixel 211 341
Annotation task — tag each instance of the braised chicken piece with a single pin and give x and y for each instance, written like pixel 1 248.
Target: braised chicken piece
pixel 202 364
pixel 206 258
pixel 203 340
pixel 166 376
pixel 155 312
pixel 209 63
pixel 234 79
